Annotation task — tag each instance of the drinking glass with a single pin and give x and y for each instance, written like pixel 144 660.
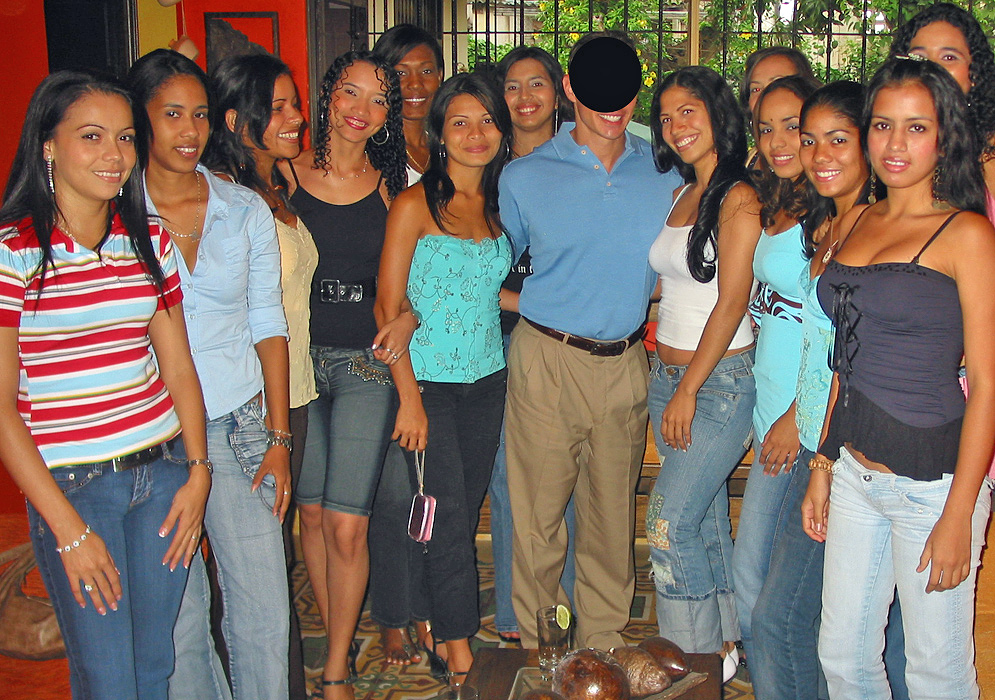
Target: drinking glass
pixel 554 641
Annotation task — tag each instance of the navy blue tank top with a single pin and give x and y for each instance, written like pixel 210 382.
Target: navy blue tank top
pixel 899 343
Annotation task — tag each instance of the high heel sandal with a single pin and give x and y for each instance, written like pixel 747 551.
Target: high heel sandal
pixel 438 667
pixel 353 674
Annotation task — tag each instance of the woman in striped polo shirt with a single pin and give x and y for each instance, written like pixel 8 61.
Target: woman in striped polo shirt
pixel 87 290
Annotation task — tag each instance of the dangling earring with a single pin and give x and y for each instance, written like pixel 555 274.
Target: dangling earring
pixel 51 180
pixel 872 189
pixel 938 202
pixel 442 152
pixel 120 192
pixel 386 136
pixel 556 118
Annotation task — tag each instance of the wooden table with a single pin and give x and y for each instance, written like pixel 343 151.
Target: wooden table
pixel 493 673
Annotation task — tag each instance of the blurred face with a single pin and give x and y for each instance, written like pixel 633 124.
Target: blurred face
pixel 686 126
pixel 92 149
pixel 777 133
pixel 180 124
pixel 766 72
pixel 903 136
pixel 530 94
pixel 470 135
pixel 831 154
pixel 358 106
pixel 943 43
pixel 282 137
pixel 420 79
pixel 593 126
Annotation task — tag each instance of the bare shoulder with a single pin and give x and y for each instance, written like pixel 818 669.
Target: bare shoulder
pixel 740 200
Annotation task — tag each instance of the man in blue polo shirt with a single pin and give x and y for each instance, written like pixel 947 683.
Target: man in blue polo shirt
pixel 588 203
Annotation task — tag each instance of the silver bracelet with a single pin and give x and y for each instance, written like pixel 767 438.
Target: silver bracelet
pixel 75 543
pixel 205 462
pixel 278 437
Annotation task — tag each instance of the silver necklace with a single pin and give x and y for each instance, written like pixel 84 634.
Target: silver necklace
pixel 195 234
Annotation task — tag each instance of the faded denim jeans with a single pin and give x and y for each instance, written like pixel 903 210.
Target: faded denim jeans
pixel 687 522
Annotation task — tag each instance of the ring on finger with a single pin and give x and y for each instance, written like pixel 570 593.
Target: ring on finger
pixel 195 537
pixel 87 587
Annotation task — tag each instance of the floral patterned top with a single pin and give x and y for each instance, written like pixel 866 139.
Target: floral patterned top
pixel 453 286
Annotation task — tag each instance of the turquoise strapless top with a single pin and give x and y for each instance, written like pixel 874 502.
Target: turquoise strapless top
pixel 454 285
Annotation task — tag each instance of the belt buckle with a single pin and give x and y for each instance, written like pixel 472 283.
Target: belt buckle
pixel 350 292
pixel 333 291
pixel 609 349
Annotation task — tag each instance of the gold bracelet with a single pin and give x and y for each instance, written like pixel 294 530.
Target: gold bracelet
pixel 820 463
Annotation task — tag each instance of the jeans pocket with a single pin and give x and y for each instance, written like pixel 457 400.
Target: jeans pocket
pixel 174 451
pixel 248 440
pixel 71 479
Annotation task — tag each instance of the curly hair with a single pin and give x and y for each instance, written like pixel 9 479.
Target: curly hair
pixel 959 181
pixel 981 96
pixel 386 147
pixel 245 84
pixel 729 135
pixel 777 194
pixel 846 99
pixel 439 187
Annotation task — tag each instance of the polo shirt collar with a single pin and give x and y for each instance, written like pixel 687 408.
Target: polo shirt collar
pixel 565 146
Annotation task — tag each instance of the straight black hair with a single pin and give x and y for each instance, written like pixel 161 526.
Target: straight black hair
pixel 27 194
pixel 439 187
pixel 395 43
pixel 729 135
pixel 146 77
pixel 958 180
pixel 845 98
pixel 245 84
pixel 564 107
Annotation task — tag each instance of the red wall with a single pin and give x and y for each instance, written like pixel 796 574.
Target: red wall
pixel 293 31
pixel 23 64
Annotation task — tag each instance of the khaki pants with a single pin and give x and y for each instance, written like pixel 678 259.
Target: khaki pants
pixel 562 400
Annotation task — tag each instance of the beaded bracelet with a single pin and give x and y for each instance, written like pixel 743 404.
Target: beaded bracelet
pixel 278 437
pixel 820 463
pixel 206 462
pixel 75 543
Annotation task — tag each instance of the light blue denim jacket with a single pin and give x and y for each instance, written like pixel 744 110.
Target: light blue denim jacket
pixel 232 299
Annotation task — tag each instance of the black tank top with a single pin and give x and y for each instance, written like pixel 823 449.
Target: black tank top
pixel 349 238
pixel 899 342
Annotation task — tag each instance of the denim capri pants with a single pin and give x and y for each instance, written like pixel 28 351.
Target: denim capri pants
pixel 349 428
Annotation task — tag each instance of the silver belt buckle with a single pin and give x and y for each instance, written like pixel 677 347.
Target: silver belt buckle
pixel 333 292
pixel 350 292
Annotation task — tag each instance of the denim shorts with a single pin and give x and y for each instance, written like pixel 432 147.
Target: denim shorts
pixel 349 427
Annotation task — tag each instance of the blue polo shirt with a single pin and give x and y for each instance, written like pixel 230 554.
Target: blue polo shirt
pixel 589 233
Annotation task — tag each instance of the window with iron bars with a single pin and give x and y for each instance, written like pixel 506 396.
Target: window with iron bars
pixel 842 38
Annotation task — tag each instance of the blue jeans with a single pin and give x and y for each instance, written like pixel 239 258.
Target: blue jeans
pixel 247 542
pixel 464 422
pixel 349 426
pixel 687 521
pixel 126 653
pixel 763 503
pixel 878 525
pixel 502 538
pixel 784 662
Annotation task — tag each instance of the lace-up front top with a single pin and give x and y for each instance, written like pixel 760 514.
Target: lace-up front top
pixel 899 342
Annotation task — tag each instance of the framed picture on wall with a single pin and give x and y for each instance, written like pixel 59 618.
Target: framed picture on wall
pixel 240 33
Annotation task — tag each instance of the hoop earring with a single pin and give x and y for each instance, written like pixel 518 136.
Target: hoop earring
pixel 386 136
pixel 51 180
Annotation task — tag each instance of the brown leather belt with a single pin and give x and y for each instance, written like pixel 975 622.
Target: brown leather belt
pixel 598 348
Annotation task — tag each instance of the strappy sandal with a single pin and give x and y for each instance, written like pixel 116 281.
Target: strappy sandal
pixel 438 667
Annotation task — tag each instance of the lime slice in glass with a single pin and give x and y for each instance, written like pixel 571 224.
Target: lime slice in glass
pixel 563 616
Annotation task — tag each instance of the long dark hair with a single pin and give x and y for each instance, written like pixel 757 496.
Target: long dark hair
pixel 777 194
pixel 981 96
pixel 439 187
pixel 802 68
pixel 564 107
pixel 27 194
pixel 395 43
pixel 244 84
pixel 845 98
pixel 386 147
pixel 146 77
pixel 959 181
pixel 729 136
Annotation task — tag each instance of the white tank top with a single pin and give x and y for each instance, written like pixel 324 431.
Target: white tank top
pixel 685 303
